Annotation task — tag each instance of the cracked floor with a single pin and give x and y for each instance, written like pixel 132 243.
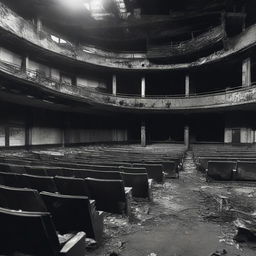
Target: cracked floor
pixel 183 219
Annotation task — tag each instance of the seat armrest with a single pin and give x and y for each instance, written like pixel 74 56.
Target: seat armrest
pixel 150 181
pixel 150 194
pixel 97 218
pixel 128 190
pixel 102 213
pixel 128 197
pixel 92 203
pixel 75 246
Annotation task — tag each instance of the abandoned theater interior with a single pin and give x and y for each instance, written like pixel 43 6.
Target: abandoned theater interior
pixel 127 127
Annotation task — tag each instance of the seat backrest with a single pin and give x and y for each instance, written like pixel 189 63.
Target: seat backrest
pixel 11 179
pixel 155 171
pixel 14 168
pixel 40 183
pixel 138 182
pixel 246 171
pixel 36 170
pixel 52 172
pixel 69 213
pixel 221 170
pixel 28 233
pixel 98 174
pixel 109 194
pixel 21 199
pixel 71 186
pixel 133 169
pixel 106 168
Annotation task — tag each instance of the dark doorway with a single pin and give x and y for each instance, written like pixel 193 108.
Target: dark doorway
pixel 236 137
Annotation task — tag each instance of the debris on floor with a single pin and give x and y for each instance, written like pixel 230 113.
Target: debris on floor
pixel 219 253
pixel 246 230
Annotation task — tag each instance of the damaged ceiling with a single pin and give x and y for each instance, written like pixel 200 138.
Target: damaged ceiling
pixel 128 24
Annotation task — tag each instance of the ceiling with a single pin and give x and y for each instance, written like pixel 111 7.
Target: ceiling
pixel 127 24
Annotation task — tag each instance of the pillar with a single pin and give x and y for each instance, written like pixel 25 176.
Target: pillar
pixel 187 85
pixel 186 136
pixel 114 85
pixel 74 81
pixel 28 136
pixel 246 72
pixel 25 64
pixel 143 87
pixel 39 25
pixel 7 136
pixel 143 134
pixel 63 137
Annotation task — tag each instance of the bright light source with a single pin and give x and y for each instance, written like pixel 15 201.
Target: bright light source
pixel 87 6
pixel 72 4
pixel 55 39
pixel 96 5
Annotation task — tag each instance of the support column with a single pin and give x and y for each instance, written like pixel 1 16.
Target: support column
pixel 246 72
pixel 63 137
pixel 28 134
pixel 114 85
pixel 143 134
pixel 74 81
pixel 143 87
pixel 187 86
pixel 7 136
pixel 25 64
pixel 39 25
pixel 186 136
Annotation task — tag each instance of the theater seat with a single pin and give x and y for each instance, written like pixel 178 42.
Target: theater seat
pixel 74 213
pixel 12 180
pixel 21 199
pixel 126 169
pixel 246 171
pixel 221 170
pixel 36 170
pixel 155 171
pixel 98 174
pixel 35 234
pixel 110 195
pixel 71 186
pixel 169 167
pixel 40 183
pixel 140 184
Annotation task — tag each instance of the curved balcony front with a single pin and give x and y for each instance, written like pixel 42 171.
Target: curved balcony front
pixel 203 42
pixel 24 32
pixel 237 97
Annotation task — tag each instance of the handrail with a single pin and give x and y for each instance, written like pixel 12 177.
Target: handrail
pixel 200 42
pixel 16 69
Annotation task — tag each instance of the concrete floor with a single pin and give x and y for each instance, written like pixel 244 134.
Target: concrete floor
pixel 183 220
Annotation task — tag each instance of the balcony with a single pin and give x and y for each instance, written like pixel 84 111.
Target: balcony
pixel 17 30
pixel 203 42
pixel 239 96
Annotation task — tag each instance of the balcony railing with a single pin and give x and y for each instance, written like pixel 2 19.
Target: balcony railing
pixel 201 42
pixel 19 29
pixel 214 99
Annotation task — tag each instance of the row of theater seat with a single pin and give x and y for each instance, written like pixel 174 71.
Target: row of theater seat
pixel 110 195
pixel 69 213
pixel 75 184
pixel 34 233
pixel 227 164
pixel 154 171
pixel 49 197
pixel 227 170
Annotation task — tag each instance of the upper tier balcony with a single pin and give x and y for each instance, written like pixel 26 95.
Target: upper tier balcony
pixel 16 30
pixel 203 42
pixel 217 100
